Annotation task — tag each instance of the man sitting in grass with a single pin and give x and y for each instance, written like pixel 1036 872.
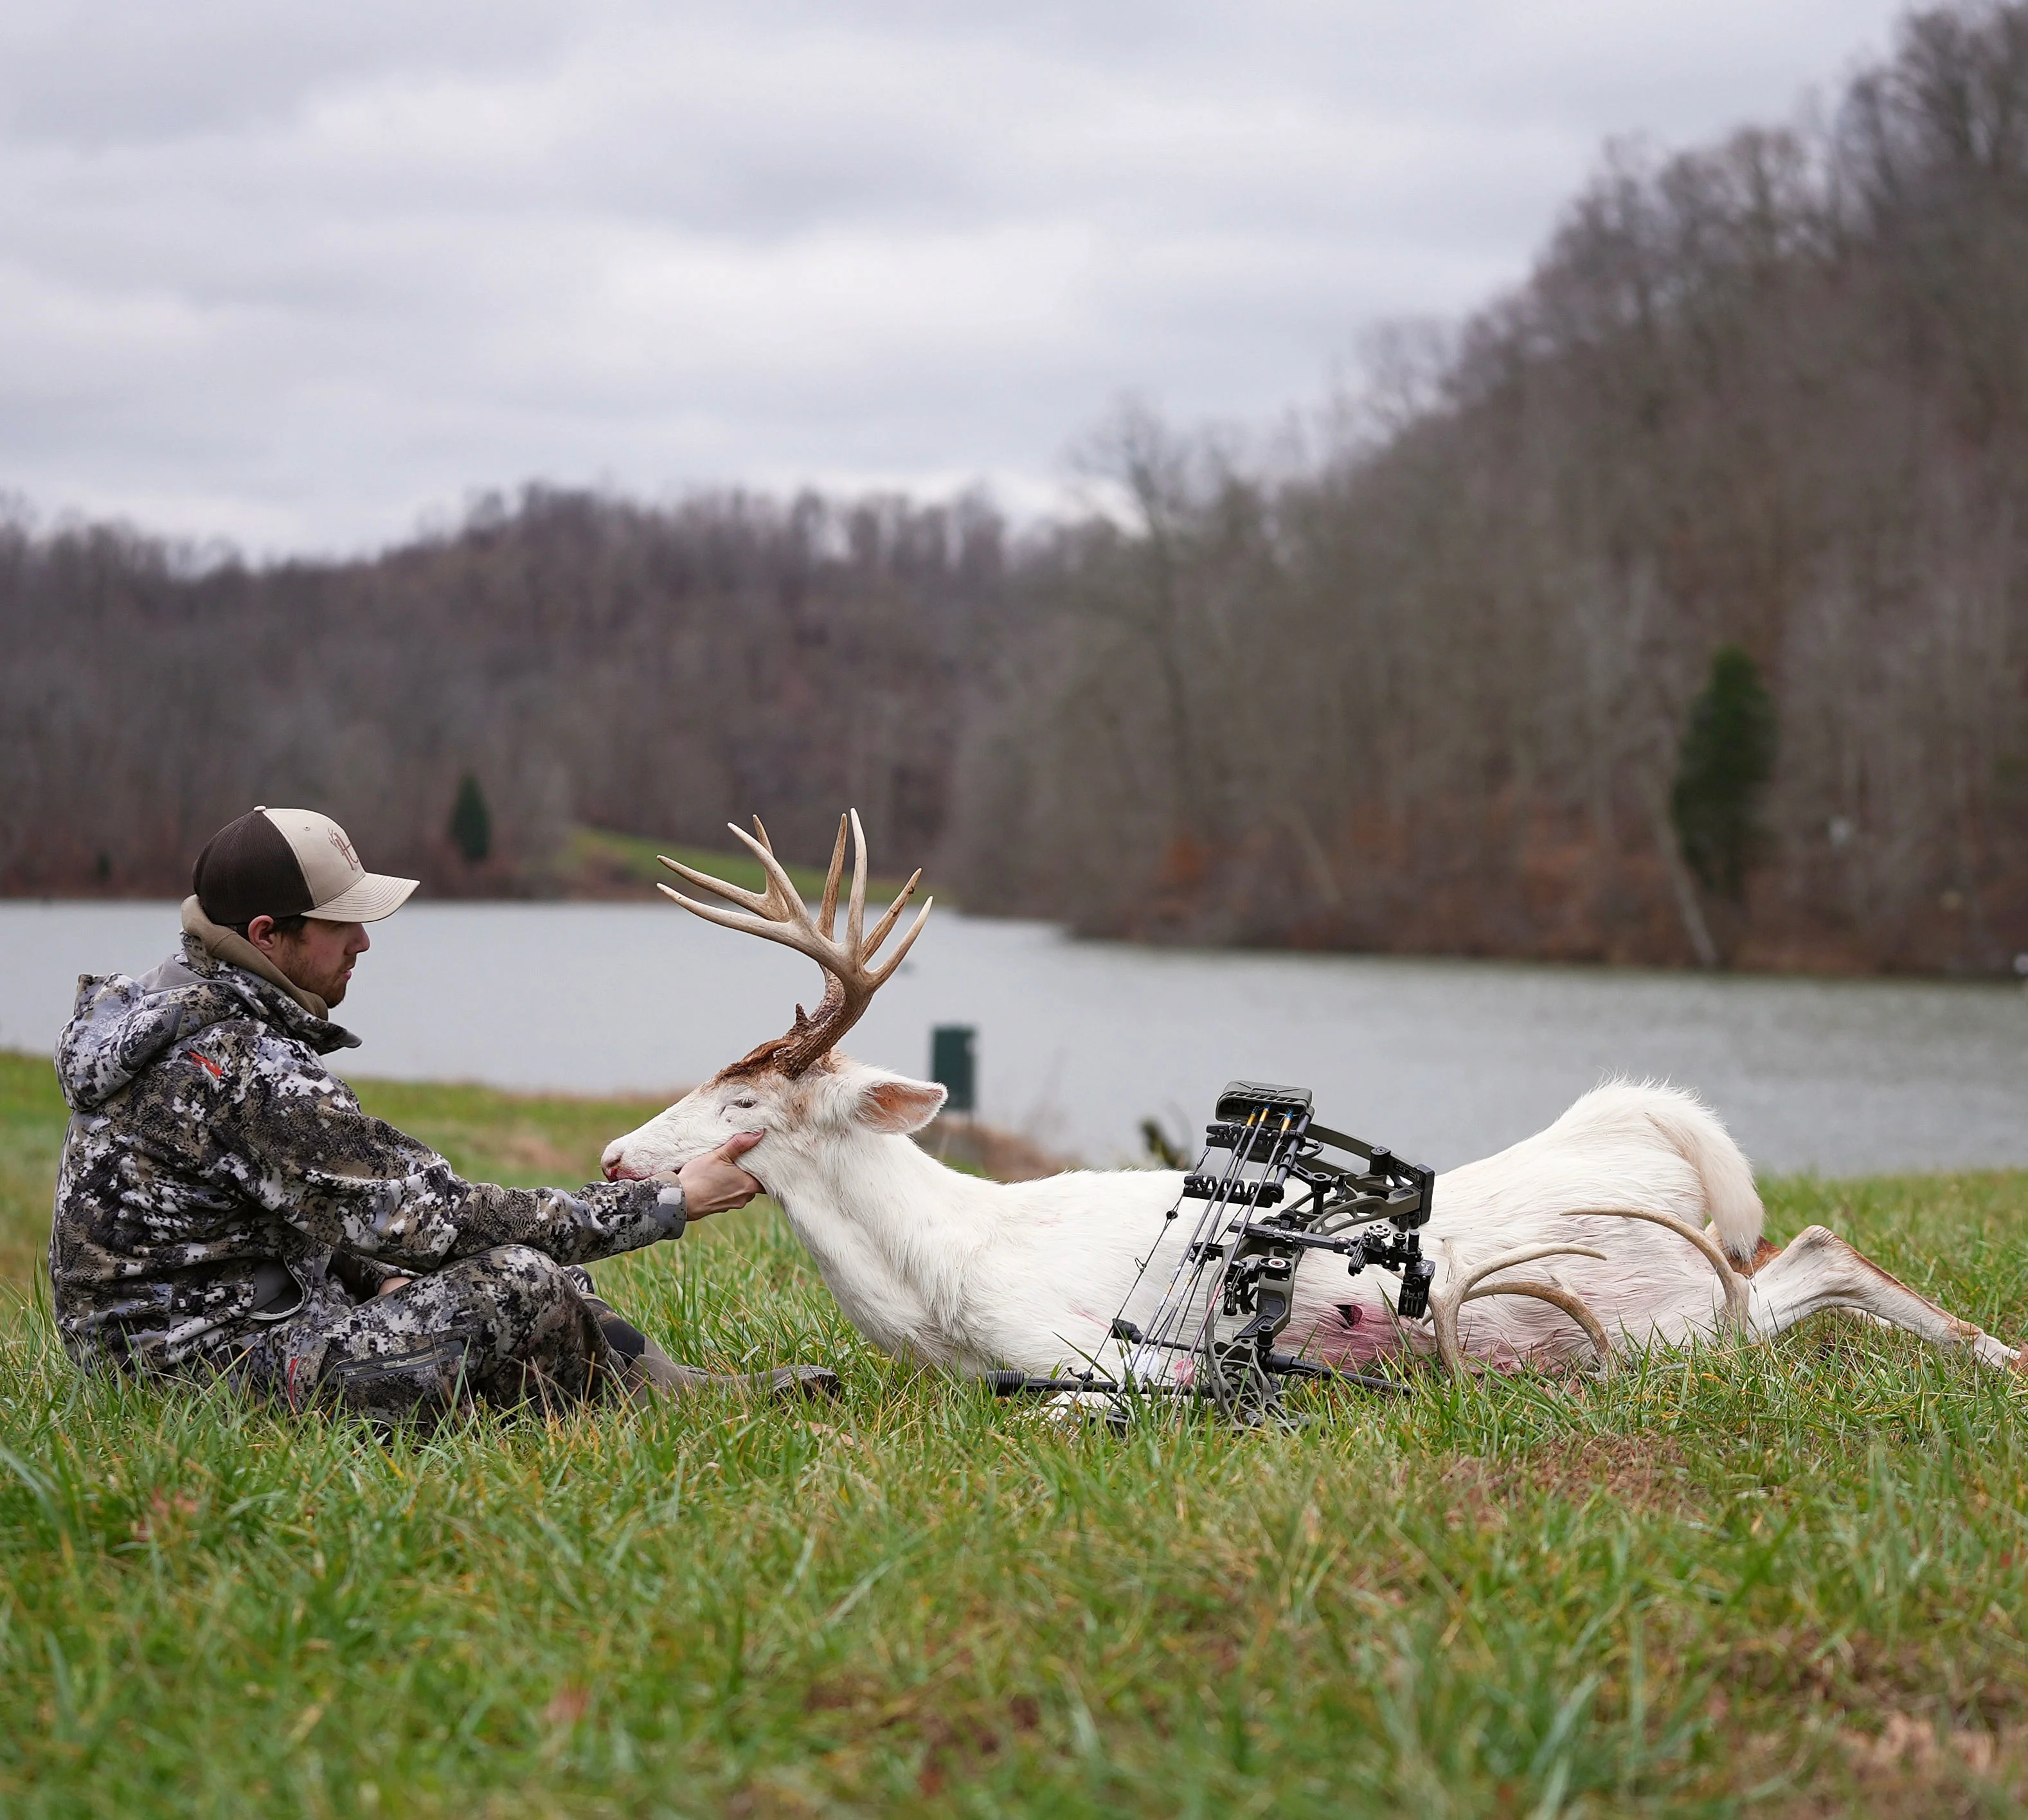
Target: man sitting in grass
pixel 226 1210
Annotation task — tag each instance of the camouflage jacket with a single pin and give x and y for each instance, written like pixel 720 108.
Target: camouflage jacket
pixel 214 1171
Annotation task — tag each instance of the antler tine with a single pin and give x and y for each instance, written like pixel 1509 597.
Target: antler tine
pixel 1736 1299
pixel 855 916
pixel 892 914
pixel 1445 1303
pixel 736 894
pixel 827 913
pixel 783 896
pixel 779 916
pixel 880 976
pixel 1557 1296
pixel 1527 1254
pixel 785 933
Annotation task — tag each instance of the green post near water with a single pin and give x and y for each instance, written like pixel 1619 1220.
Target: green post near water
pixel 954 1064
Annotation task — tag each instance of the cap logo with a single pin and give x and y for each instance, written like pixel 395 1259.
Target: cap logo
pixel 345 850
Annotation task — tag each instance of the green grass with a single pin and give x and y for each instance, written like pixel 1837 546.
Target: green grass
pixel 634 857
pixel 1713 1585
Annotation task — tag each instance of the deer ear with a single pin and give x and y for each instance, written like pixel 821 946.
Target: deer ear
pixel 897 1106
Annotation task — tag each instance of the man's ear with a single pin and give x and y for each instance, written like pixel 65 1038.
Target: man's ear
pixel 897 1106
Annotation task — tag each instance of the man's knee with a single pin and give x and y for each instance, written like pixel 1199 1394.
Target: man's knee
pixel 521 1276
pixel 522 1261
pixel 505 1324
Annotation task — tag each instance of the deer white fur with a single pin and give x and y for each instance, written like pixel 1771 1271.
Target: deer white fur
pixel 1636 1200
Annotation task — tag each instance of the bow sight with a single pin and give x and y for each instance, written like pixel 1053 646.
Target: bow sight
pixel 1230 1292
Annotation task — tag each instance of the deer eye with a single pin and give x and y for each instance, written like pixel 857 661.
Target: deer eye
pixel 745 1104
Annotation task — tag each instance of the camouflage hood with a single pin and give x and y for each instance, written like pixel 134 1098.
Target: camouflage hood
pixel 120 1024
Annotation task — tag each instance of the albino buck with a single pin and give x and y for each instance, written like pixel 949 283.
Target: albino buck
pixel 1644 1203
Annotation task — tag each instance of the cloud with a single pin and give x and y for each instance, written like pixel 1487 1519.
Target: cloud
pixel 297 276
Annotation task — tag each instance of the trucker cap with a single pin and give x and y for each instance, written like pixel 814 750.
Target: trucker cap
pixel 291 862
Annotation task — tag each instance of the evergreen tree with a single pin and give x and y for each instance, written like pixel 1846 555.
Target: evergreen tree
pixel 471 822
pixel 1727 758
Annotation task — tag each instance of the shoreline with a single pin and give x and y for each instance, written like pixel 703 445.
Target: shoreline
pixel 634 893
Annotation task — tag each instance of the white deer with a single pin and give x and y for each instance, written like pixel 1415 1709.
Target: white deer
pixel 1637 1192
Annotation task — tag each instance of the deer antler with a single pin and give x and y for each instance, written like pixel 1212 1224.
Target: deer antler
pixel 1729 1280
pixel 779 914
pixel 1445 1303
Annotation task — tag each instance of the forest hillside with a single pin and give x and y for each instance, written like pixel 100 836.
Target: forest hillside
pixel 1673 608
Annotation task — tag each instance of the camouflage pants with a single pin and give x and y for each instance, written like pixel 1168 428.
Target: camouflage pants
pixel 508 1328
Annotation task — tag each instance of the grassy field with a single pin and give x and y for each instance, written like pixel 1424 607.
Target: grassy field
pixel 596 860
pixel 1787 1580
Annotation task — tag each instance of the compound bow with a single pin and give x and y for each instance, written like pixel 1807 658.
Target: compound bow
pixel 1212 1336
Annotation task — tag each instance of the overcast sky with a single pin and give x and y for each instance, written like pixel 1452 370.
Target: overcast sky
pixel 304 275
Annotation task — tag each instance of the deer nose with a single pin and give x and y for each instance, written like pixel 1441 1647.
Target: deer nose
pixel 612 1162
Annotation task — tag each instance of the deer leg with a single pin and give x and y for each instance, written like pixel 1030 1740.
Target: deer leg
pixel 1817 1269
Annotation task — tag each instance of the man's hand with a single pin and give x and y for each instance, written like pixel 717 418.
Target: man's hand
pixel 715 1181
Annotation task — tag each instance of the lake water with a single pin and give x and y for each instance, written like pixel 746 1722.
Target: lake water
pixel 1079 1041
